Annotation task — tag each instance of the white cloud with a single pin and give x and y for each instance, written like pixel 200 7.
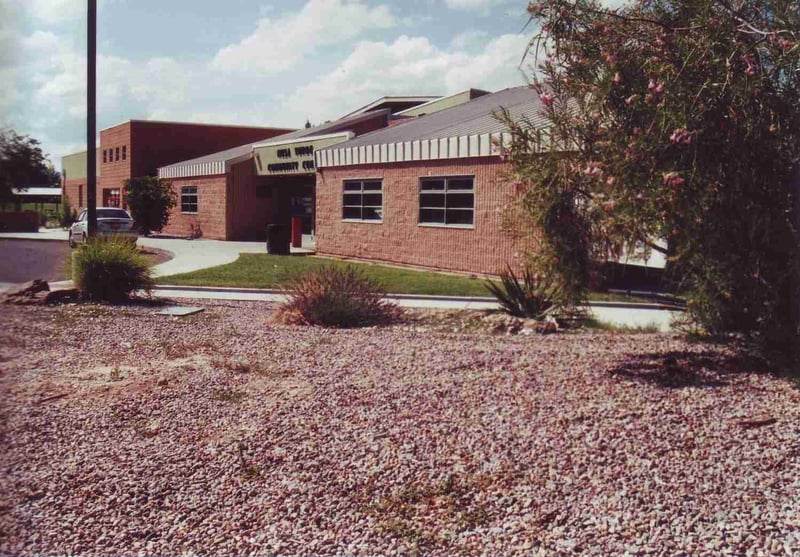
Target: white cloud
pixel 279 44
pixel 55 12
pixel 409 65
pixel 472 5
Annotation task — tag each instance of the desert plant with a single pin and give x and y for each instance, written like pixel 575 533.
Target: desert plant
pixel 107 269
pixel 521 299
pixel 336 297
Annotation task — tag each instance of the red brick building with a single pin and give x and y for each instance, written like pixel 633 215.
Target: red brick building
pixel 235 193
pixel 139 147
pixel 432 192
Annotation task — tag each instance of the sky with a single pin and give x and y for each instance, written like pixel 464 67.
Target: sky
pixel 270 63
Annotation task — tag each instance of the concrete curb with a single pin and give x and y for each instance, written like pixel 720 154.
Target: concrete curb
pixel 423 297
pixel 20 239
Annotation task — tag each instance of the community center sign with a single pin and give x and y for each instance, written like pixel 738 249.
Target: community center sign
pixel 295 156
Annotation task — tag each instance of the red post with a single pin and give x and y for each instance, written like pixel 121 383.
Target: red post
pixel 297 232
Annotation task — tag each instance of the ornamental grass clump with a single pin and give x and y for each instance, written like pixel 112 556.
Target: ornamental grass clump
pixel 336 297
pixel 521 299
pixel 110 270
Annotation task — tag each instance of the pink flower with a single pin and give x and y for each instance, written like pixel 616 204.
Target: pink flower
pixel 672 179
pixel 610 181
pixel 608 206
pixel 547 98
pixel 680 137
pixel 617 79
pixel 630 100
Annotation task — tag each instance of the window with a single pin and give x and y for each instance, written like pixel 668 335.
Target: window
pixel 362 200
pixel 124 152
pixel 116 158
pixel 80 196
pixel 104 155
pixel 111 198
pixel 447 201
pixel 189 199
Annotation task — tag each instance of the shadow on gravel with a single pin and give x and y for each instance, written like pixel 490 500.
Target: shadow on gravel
pixel 680 369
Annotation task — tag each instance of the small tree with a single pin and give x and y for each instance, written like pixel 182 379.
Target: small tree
pixel 674 120
pixel 150 201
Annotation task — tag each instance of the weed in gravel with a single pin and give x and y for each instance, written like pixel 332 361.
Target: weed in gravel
pixel 227 394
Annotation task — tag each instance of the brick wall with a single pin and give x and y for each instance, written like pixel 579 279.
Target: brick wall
pixel 486 248
pixel 113 172
pixel 211 215
pixel 159 144
pixel 72 189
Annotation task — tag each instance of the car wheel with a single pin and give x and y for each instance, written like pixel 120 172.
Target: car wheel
pixel 72 243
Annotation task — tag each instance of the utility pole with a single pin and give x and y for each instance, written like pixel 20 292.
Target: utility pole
pixel 91 119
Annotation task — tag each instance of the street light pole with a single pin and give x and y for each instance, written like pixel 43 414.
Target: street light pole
pixel 91 119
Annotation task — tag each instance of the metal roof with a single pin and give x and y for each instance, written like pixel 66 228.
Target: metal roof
pixel 36 191
pixel 467 130
pixel 390 100
pixel 476 117
pixel 218 163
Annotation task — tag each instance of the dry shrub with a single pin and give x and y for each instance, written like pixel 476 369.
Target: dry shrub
pixel 336 297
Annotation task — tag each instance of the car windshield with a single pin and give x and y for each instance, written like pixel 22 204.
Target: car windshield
pixel 112 214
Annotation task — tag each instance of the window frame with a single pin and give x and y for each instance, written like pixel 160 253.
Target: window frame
pixel 116 154
pixel 362 191
pixel 196 195
pixel 124 152
pixel 444 208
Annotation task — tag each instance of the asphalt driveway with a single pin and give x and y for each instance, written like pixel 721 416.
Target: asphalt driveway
pixel 24 260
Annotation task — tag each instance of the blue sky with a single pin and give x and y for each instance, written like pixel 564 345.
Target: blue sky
pixel 245 61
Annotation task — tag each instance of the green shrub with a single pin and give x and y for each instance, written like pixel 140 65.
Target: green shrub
pixel 521 299
pixel 107 269
pixel 336 297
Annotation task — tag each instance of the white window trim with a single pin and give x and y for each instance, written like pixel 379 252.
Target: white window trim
pixel 197 199
pixel 383 205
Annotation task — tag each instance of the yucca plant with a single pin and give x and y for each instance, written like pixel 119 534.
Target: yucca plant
pixel 521 299
pixel 110 270
pixel 336 297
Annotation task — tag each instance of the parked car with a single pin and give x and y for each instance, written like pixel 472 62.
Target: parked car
pixel 111 221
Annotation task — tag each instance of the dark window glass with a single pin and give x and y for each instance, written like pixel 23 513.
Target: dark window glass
pixel 189 199
pixel 362 200
pixel 116 158
pixel 80 196
pixel 104 155
pixel 124 152
pixel 112 214
pixel 447 201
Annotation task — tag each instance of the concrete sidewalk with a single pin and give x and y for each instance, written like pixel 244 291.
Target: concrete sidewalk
pixel 618 314
pixel 188 255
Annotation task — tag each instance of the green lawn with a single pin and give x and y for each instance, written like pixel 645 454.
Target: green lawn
pixel 255 270
pixel 270 271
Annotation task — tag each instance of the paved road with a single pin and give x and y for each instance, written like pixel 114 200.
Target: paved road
pixel 24 260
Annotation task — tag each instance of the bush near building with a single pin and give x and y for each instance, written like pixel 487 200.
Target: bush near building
pixel 149 201
pixel 682 121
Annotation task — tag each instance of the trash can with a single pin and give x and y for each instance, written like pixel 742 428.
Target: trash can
pixel 278 238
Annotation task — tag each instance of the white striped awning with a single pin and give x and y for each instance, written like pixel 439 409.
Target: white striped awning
pixel 462 147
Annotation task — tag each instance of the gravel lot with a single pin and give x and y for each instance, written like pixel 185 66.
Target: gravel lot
pixel 126 433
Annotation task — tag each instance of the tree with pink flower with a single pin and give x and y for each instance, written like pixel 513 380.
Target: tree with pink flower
pixel 675 120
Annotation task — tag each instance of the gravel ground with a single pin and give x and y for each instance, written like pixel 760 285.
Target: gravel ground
pixel 126 433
